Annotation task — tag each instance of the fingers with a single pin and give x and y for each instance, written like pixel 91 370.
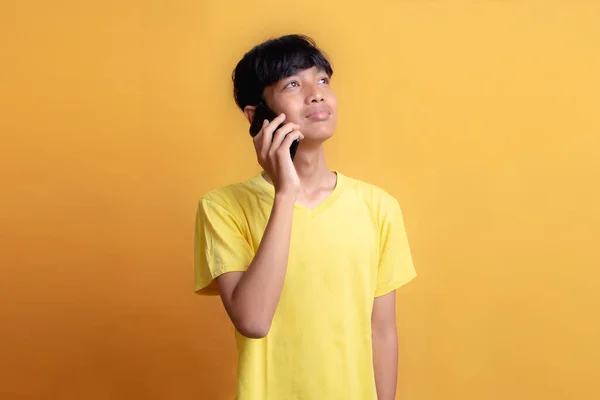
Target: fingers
pixel 264 138
pixel 281 133
pixel 271 145
pixel 284 149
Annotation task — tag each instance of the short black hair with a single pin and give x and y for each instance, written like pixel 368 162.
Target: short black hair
pixel 271 61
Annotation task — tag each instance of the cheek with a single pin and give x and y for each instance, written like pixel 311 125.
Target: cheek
pixel 293 114
pixel 333 103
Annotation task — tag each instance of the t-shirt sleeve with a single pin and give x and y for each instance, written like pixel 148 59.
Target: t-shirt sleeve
pixel 395 260
pixel 219 246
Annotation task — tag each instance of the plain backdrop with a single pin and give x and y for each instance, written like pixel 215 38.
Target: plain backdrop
pixel 481 117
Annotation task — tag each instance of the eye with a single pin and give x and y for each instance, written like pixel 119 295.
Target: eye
pixel 325 80
pixel 292 84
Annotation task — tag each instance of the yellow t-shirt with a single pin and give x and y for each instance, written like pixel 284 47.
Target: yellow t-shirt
pixel 346 251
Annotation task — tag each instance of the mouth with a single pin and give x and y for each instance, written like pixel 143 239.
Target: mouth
pixel 319 114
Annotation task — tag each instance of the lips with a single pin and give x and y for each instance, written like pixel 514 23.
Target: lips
pixel 319 113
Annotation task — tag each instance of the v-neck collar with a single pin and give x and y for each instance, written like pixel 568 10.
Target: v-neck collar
pixel 311 212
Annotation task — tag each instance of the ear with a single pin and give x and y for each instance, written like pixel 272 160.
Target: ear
pixel 249 113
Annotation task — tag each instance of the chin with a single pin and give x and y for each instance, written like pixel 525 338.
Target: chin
pixel 321 134
pixel 318 137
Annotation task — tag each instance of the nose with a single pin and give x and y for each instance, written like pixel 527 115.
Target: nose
pixel 315 94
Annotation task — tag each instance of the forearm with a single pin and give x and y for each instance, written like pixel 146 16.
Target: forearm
pixel 385 363
pixel 256 295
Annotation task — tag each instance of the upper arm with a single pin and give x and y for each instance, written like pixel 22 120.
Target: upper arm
pixel 220 247
pixel 395 260
pixel 383 317
pixel 226 284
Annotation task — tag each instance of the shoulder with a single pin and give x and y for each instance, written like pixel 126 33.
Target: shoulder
pixel 373 195
pixel 383 207
pixel 230 197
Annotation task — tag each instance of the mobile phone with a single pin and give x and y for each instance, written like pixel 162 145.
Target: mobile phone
pixel 263 112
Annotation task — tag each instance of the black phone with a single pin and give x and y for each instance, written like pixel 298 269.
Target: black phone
pixel 263 112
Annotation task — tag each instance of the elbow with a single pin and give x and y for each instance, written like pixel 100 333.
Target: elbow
pixel 250 322
pixel 253 328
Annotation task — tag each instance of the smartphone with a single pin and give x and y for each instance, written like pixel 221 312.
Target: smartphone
pixel 263 112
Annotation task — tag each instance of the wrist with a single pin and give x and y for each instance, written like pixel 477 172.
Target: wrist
pixel 284 197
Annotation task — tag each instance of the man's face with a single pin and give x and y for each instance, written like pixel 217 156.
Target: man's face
pixel 307 100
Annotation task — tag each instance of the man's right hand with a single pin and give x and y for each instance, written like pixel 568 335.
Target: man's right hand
pixel 251 297
pixel 273 153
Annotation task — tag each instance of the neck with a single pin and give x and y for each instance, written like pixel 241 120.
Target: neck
pixel 312 168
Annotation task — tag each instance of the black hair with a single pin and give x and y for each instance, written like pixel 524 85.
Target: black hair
pixel 271 61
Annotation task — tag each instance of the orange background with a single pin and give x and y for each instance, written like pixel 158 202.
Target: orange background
pixel 481 117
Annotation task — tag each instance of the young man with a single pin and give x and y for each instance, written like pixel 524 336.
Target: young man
pixel 306 260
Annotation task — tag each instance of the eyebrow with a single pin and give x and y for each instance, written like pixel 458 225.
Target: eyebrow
pixel 298 74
